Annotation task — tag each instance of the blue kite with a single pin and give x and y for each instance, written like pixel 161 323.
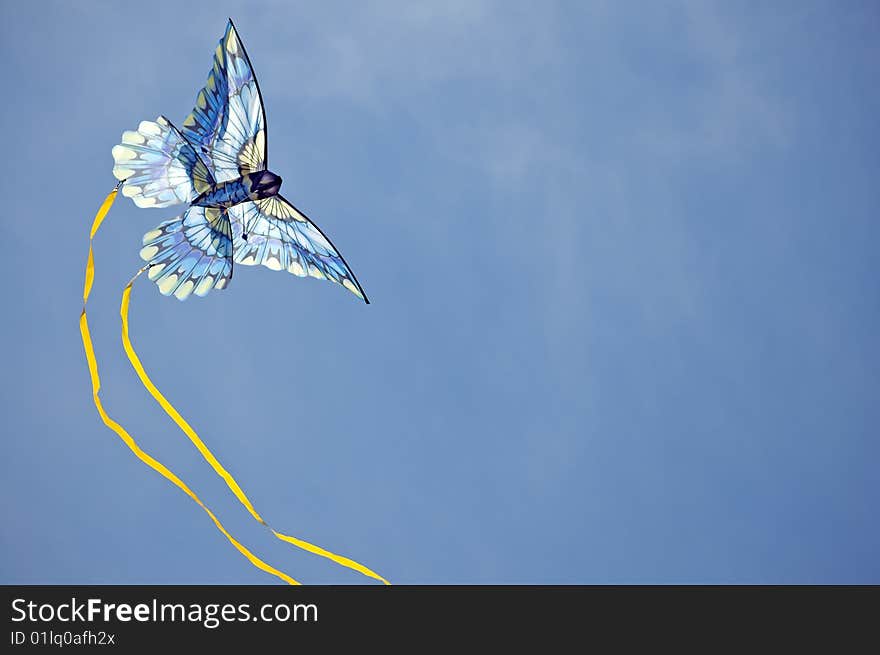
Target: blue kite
pixel 218 165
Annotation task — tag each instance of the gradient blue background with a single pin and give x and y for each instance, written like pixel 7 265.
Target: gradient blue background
pixel 623 265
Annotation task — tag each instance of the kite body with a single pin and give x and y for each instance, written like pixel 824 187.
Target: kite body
pixel 253 186
pixel 217 164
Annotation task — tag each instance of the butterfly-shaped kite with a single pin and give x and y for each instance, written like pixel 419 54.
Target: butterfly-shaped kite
pixel 218 165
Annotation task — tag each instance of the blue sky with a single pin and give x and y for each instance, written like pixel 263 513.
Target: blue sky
pixel 622 264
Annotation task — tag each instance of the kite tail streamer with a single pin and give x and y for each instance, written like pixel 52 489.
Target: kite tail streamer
pixel 145 457
pixel 209 456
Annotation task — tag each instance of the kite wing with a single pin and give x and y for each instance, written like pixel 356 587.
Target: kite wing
pixel 228 124
pixel 159 167
pixel 191 253
pixel 281 237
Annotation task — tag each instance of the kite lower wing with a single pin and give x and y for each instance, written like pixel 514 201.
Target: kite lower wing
pixel 191 253
pixel 281 237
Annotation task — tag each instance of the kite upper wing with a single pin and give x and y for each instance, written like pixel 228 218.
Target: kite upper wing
pixel 228 124
pixel 281 237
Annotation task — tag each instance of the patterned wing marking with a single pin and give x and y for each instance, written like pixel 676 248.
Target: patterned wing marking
pixel 203 125
pixel 280 237
pixel 228 123
pixel 159 166
pixel 191 253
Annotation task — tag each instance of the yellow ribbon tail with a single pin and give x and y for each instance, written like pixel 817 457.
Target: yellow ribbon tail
pixel 129 441
pixel 90 262
pixel 209 457
pixel 339 559
pixel 206 453
pixel 173 413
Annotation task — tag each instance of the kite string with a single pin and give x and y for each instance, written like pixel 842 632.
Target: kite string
pixel 209 457
pixel 118 429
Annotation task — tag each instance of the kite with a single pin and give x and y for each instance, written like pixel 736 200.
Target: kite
pixel 217 165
